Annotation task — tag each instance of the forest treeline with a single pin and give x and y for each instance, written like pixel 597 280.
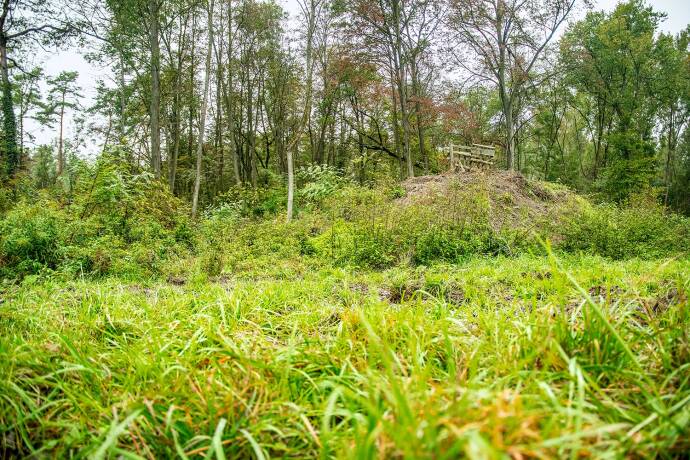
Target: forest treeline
pixel 214 95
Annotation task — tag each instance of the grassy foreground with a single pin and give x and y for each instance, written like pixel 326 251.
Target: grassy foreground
pixel 522 357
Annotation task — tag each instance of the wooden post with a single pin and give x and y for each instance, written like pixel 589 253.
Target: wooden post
pixel 452 157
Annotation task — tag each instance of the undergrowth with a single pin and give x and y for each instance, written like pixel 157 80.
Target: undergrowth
pixel 468 323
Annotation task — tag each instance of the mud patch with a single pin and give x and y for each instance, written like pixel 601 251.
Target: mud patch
pixel 603 292
pixel 359 288
pixel 176 280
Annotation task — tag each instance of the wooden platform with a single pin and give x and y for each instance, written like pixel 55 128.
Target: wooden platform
pixel 464 157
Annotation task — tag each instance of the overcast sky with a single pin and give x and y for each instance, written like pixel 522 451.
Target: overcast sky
pixel 678 17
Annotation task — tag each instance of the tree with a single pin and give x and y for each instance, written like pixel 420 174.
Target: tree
pixel 27 97
pixel 509 38
pixel 382 26
pixel 63 94
pixel 154 111
pixel 310 11
pixel 44 166
pixel 204 108
pixel 22 21
pixel 610 58
pixel 672 92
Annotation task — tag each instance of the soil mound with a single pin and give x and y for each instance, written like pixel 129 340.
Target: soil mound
pixel 511 196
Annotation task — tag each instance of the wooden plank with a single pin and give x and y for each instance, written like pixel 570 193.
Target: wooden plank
pixel 462 156
pixel 484 162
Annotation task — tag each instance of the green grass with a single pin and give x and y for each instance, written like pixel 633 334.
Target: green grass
pixel 523 357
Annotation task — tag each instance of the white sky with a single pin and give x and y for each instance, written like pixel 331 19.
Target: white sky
pixel 678 18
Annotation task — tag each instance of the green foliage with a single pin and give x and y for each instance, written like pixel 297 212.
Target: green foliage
pixel 621 78
pixel 318 182
pixel 624 177
pixel 640 229
pixel 9 150
pixel 493 358
pixel 30 238
pixel 374 231
pixel 116 222
pixel 44 169
pixel 245 201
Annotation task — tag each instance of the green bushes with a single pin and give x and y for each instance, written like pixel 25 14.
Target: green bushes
pixel 641 229
pixel 242 201
pixel 118 222
pixel 371 229
pixel 318 182
pixel 30 238
pixel 114 221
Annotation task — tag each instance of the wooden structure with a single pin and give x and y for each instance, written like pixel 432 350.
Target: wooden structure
pixel 464 157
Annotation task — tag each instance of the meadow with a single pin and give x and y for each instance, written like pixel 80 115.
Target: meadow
pixel 262 342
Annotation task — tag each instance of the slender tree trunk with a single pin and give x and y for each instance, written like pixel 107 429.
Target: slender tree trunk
pixel 505 95
pixel 192 72
pixel 418 112
pixel 310 8
pixel 670 148
pixel 291 183
pixel 204 107
pixel 177 110
pixel 61 152
pixel 172 167
pixel 22 113
pixel 231 100
pixel 401 80
pixel 122 121
pixel 510 136
pixel 396 130
pixel 155 89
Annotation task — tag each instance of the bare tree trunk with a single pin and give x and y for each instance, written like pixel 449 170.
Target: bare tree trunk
pixel 61 152
pixel 204 107
pixel 309 8
pixel 177 110
pixel 291 183
pixel 123 102
pixel 396 131
pixel 418 112
pixel 230 100
pixel 670 150
pixel 401 80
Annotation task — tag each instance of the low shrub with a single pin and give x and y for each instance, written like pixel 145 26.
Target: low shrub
pixel 115 221
pixel 30 239
pixel 640 229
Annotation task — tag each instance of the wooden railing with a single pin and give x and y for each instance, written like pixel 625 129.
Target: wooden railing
pixel 464 157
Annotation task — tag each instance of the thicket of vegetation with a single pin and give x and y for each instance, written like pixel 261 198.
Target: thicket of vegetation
pixel 117 222
pixel 248 244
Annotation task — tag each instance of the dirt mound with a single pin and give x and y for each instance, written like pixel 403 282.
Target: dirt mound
pixel 511 197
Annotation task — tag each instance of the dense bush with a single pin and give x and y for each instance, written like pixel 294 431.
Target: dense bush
pixel 318 182
pixel 112 221
pixel 641 229
pixel 242 201
pixel 30 238
pixel 371 228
